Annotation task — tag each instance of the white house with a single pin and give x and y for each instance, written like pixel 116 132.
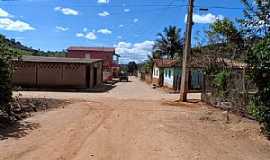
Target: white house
pixel 168 73
pixel 158 70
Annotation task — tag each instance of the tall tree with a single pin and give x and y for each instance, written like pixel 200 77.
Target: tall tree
pixel 169 43
pixel 258 60
pixel 256 26
pixel 225 39
pixel 256 21
pixel 5 78
pixel 132 67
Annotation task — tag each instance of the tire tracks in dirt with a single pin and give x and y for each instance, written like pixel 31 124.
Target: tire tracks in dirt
pixel 68 141
pixel 69 155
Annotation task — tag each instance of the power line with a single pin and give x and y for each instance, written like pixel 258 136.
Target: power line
pixel 130 5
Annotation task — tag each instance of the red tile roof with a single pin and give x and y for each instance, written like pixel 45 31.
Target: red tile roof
pixel 164 63
pixel 101 49
pixel 199 62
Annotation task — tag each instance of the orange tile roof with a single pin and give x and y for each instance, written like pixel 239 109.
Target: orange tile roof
pixel 164 63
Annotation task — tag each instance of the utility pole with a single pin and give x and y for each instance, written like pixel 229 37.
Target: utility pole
pixel 187 49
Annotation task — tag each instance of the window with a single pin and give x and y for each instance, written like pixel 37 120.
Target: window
pixel 170 73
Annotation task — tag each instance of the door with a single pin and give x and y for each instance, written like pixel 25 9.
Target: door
pixel 161 80
pixel 87 80
pixel 95 76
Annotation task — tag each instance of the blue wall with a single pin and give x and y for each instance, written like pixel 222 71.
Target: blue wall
pixel 171 74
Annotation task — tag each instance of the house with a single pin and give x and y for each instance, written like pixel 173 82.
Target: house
pixel 158 70
pixel 108 55
pixel 57 72
pixel 168 73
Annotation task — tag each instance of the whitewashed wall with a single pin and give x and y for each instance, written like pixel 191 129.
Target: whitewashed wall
pixel 168 77
pixel 156 72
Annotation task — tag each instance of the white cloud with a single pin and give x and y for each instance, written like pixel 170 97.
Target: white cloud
pixel 135 20
pixel 63 29
pixel 103 1
pixel 89 35
pixel 104 14
pixel 127 10
pixel 104 31
pixel 121 25
pixel 14 25
pixel 67 11
pixel 79 35
pixel 4 13
pixel 85 29
pixel 207 18
pixel 134 52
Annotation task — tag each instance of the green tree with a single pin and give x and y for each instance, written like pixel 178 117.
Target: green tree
pixel 169 43
pixel 225 40
pixel 256 21
pixel 259 71
pixel 5 79
pixel 132 67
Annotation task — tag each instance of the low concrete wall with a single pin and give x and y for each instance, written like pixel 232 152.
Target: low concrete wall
pixel 56 75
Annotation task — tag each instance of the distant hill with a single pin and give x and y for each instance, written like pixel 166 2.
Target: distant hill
pixel 16 48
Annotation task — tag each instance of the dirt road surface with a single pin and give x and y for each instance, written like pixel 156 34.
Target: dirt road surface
pixel 132 122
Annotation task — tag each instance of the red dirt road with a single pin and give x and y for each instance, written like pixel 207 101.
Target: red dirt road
pixel 132 122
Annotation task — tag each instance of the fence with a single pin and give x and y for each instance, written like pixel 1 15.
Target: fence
pixel 236 95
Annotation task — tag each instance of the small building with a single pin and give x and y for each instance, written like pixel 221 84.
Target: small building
pixel 108 55
pixel 57 72
pixel 158 70
pixel 168 73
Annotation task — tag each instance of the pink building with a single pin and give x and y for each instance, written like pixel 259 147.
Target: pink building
pixel 108 55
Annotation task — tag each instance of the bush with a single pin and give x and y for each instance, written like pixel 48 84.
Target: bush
pixel 5 85
pixel 259 72
pixel 254 110
pixel 220 81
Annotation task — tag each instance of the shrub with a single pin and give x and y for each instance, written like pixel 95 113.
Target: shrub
pixel 220 81
pixel 259 72
pixel 5 85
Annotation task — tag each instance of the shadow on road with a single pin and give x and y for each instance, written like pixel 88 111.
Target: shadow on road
pixel 18 130
pixel 98 89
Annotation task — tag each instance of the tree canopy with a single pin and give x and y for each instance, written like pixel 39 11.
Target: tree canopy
pixel 169 43
pixel 256 21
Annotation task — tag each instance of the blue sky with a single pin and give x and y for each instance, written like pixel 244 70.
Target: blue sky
pixel 129 25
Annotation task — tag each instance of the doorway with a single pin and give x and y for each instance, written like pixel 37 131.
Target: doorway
pixel 95 76
pixel 87 76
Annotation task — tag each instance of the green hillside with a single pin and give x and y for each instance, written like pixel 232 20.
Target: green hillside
pixel 13 47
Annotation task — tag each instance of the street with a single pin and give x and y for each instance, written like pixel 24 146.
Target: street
pixel 133 121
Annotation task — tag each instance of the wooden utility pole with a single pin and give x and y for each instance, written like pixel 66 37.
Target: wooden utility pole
pixel 187 49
